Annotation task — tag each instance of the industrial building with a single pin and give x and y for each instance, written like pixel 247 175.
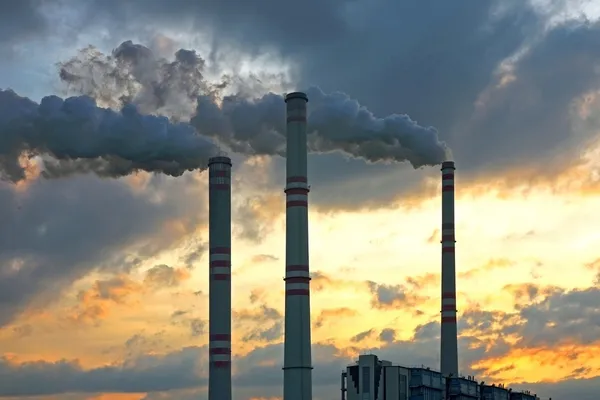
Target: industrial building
pixel 374 379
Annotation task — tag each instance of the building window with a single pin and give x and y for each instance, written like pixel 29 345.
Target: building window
pixel 366 380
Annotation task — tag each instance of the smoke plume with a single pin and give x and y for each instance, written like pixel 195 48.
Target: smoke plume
pixel 77 136
pixel 335 123
pixel 248 124
pixel 81 137
pixel 134 74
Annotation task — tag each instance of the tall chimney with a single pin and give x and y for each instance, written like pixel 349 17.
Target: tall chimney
pixel 297 363
pixel 219 328
pixel 449 341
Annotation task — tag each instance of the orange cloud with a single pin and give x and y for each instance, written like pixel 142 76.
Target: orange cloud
pixel 165 276
pixel 435 237
pixel 32 172
pixel 324 315
pixel 571 177
pixel 96 302
pixel 542 364
pixel 420 282
pixel 321 281
pixel 529 292
pixel 492 264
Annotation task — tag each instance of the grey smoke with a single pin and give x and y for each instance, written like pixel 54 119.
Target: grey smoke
pixel 245 123
pixel 76 136
pixel 336 122
pixel 80 137
pixel 134 74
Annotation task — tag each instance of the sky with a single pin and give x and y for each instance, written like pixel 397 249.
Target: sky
pixel 104 223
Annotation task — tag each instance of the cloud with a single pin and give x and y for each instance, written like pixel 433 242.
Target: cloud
pixel 321 281
pixel 196 252
pixel 261 324
pixel 562 317
pixel 492 264
pixel 513 96
pixel 23 330
pixel 255 216
pixel 387 335
pixel 22 21
pixel 161 276
pixel 263 258
pixel 197 327
pixel 258 372
pixel 466 92
pixel 95 303
pixel 385 296
pixel 142 343
pixel 76 136
pixel 180 369
pixel 95 225
pixel 359 337
pixel 595 266
pixel 333 314
pixel 552 319
pixel 462 74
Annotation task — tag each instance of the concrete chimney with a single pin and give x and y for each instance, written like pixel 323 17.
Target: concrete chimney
pixel 297 363
pixel 219 328
pixel 449 341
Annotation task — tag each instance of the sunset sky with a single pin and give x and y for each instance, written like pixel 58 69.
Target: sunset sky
pixel 104 281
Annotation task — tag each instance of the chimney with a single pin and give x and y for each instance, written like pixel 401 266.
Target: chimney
pixel 297 363
pixel 219 328
pixel 449 340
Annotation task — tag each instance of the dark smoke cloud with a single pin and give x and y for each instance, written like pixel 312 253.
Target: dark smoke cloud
pixel 335 123
pixel 21 21
pixel 134 74
pixel 244 123
pixel 81 137
pixel 432 60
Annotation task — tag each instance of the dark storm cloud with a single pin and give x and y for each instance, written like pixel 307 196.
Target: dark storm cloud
pixel 438 62
pixel 259 23
pixel 537 108
pixel 336 122
pixel 176 370
pixel 387 335
pixel 562 317
pixel 21 20
pixel 54 232
pixel 133 73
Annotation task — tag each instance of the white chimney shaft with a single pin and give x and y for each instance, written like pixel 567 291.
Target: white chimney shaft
pixel 297 364
pixel 219 328
pixel 449 336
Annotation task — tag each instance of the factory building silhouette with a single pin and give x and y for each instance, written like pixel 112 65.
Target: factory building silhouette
pixel 370 378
